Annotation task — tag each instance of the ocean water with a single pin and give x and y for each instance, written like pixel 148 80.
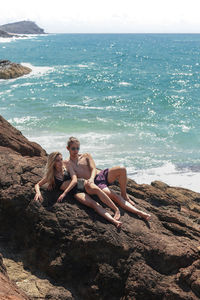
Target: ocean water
pixel 131 99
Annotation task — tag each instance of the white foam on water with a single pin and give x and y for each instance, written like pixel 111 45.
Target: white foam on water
pixel 18 37
pixel 63 104
pixel 82 66
pixel 169 174
pixel 6 40
pixel 38 71
pixel 124 83
pixel 22 120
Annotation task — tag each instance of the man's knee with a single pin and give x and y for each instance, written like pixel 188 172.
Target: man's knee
pixel 123 169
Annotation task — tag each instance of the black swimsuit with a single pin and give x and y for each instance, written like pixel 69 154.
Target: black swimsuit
pixel 59 182
pixel 78 188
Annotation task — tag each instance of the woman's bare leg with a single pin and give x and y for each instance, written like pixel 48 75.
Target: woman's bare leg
pixel 120 174
pixel 93 189
pixel 126 204
pixel 88 201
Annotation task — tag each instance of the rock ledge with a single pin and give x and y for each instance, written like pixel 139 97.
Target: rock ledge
pixel 9 70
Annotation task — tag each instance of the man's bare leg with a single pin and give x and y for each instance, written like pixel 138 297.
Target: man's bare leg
pixel 93 189
pixel 120 174
pixel 126 204
pixel 88 201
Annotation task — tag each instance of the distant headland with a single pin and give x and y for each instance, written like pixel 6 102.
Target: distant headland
pixel 22 27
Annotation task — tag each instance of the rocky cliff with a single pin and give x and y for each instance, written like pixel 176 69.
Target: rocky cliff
pixel 4 34
pixel 155 260
pixel 22 27
pixel 9 70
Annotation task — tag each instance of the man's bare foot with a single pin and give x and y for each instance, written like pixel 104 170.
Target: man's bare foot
pixel 117 215
pixel 118 224
pixel 131 202
pixel 126 197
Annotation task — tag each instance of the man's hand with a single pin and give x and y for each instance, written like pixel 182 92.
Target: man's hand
pixel 60 199
pixel 38 196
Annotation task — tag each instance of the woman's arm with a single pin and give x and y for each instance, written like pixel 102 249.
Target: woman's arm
pixel 38 195
pixel 72 183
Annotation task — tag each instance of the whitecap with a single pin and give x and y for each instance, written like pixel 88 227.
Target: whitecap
pixel 38 70
pixel 83 66
pixel 124 83
pixel 6 40
pixel 169 174
pixel 22 120
pixel 62 104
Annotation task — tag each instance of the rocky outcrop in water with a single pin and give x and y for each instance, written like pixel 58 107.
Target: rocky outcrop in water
pixel 4 34
pixel 86 255
pixel 9 70
pixel 22 27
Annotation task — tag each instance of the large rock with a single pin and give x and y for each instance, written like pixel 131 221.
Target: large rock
pixel 12 139
pixel 22 27
pixel 10 70
pixel 89 256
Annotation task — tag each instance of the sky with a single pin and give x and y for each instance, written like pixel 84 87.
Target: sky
pixel 106 16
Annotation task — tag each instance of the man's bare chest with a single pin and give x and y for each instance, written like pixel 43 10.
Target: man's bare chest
pixel 80 165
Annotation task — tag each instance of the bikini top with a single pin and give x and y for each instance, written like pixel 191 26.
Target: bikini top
pixel 59 182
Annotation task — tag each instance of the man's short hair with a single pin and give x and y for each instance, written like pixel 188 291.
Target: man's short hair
pixel 72 140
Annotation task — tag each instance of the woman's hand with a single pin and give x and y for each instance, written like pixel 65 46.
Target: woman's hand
pixel 60 199
pixel 38 196
pixel 90 180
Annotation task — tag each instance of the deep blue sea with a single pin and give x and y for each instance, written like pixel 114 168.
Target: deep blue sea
pixel 131 99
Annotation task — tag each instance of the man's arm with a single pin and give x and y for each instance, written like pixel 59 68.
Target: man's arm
pixel 92 167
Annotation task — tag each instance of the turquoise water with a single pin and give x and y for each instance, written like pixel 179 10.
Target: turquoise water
pixel 131 99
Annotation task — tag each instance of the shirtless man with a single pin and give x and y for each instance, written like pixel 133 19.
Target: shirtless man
pixel 84 167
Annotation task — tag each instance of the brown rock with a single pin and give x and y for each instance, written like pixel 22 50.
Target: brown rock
pixel 12 139
pixel 10 70
pixel 8 290
pixel 155 260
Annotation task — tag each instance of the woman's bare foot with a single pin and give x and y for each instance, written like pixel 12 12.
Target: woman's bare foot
pixel 118 224
pixel 146 217
pixel 117 215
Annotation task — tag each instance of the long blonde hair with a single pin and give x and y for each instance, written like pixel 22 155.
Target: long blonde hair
pixel 50 168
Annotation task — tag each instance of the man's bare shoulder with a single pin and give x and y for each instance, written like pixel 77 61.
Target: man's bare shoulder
pixel 86 155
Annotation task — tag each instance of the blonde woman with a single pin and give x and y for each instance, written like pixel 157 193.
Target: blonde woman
pixel 66 180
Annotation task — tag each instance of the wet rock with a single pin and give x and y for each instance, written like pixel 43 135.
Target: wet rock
pixel 9 70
